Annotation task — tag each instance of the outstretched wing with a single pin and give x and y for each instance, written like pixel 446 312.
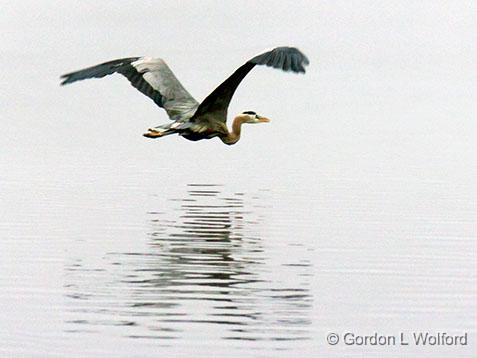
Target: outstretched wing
pixel 283 58
pixel 151 76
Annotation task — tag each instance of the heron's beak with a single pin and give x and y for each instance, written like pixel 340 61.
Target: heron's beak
pixel 263 120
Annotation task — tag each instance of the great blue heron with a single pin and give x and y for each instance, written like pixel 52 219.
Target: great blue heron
pixel 192 120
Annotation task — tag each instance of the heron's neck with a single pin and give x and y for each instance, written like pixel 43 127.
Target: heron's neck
pixel 234 135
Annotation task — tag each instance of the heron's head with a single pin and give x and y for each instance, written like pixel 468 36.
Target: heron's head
pixel 252 117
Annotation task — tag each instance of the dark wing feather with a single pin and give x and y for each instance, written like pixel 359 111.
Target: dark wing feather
pixel 215 104
pixel 151 76
pixel 98 71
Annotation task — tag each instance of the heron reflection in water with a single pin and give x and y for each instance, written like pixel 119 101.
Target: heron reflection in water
pixel 213 253
pixel 192 120
pixel 209 237
pixel 208 269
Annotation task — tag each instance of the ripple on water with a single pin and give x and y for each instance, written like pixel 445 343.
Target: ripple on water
pixel 206 274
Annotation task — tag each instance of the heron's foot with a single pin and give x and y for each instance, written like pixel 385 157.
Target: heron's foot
pixel 153 133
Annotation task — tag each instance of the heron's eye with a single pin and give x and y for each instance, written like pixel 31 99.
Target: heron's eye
pixel 256 116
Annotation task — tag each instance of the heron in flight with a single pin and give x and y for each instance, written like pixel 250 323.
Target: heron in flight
pixel 191 119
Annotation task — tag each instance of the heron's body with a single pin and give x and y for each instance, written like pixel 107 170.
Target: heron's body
pixel 190 119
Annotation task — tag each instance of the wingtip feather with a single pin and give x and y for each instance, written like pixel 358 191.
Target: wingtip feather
pixel 284 58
